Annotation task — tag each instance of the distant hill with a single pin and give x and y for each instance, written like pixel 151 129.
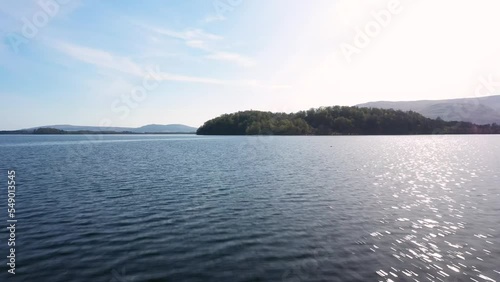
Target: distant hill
pixel 151 128
pixel 165 128
pixel 481 110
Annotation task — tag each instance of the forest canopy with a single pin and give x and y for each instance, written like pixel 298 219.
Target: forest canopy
pixel 338 120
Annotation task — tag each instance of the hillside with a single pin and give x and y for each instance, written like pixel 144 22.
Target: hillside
pixel 481 110
pixel 151 128
pixel 337 120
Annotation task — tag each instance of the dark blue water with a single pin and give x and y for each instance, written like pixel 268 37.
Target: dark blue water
pixel 190 208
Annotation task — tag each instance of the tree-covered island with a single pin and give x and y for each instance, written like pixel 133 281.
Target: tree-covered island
pixel 338 120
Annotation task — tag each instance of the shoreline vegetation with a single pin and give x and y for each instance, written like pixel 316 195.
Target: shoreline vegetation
pixel 338 120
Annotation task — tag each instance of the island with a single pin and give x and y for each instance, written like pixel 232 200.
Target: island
pixel 338 120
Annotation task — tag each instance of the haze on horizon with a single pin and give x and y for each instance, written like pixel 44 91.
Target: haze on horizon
pixel 184 62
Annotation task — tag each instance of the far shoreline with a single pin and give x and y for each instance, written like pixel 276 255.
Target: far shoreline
pixel 97 133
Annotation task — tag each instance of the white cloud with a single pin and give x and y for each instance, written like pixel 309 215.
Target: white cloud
pixel 205 80
pixel 106 60
pixel 198 44
pixel 232 57
pixel 188 34
pixel 194 38
pixel 214 18
pixel 200 39
pixel 98 58
pixel 214 81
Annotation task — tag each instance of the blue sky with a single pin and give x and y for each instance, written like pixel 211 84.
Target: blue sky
pixel 130 63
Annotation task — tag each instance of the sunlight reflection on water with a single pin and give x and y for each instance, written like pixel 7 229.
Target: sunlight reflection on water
pixel 343 208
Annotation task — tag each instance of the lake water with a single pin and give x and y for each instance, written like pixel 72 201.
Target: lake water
pixel 194 208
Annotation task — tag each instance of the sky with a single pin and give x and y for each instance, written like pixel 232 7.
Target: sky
pixel 131 63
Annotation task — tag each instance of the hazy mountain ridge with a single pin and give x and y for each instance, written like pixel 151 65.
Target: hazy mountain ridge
pixel 150 128
pixel 480 110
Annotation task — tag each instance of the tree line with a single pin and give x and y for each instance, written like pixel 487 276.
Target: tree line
pixel 338 120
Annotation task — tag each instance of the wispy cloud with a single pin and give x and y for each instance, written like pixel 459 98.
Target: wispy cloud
pixel 206 80
pixel 107 60
pixel 188 34
pixel 214 18
pixel 98 58
pixel 198 44
pixel 202 40
pixel 194 38
pixel 232 57
pixel 222 82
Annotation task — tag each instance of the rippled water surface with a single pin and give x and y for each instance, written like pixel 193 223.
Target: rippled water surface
pixel 191 208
